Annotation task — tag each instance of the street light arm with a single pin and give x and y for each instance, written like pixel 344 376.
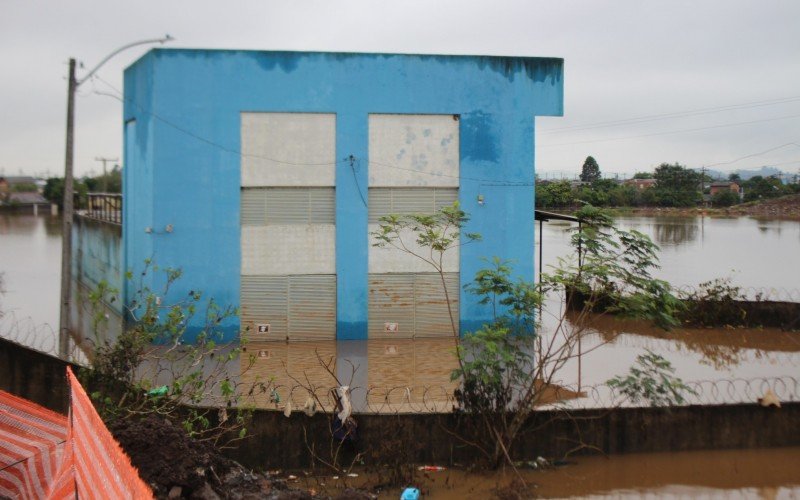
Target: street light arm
pixel 163 40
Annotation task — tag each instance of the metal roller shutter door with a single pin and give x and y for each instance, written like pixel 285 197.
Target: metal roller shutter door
pixel 279 206
pixel 385 201
pixel 391 300
pixel 300 307
pixel 312 307
pixel 431 314
pixel 415 302
pixel 264 301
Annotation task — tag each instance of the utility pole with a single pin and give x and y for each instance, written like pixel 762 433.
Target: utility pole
pixel 66 219
pixel 66 237
pixel 105 179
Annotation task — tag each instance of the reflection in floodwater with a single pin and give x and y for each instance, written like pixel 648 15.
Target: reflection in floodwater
pixel 675 232
pixel 384 375
pixel 719 347
pixel 758 474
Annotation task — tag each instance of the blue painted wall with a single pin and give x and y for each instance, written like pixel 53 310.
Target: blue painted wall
pixel 182 113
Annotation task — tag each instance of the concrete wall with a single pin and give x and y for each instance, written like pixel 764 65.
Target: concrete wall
pixel 428 438
pixel 33 375
pixel 96 259
pixel 97 255
pixel 184 168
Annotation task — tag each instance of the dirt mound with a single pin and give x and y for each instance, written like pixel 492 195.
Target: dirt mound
pixel 177 466
pixel 785 206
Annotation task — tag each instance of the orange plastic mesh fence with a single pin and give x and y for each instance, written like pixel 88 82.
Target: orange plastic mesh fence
pixel 102 469
pixel 32 444
pixel 45 455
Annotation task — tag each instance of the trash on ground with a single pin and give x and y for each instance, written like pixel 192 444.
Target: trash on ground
pixel 410 494
pixel 769 399
pixel 431 468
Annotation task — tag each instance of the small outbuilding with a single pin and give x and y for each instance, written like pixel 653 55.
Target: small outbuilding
pixel 261 175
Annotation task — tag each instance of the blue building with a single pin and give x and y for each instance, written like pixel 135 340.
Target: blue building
pixel 261 174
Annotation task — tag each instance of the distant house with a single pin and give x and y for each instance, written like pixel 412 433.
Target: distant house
pixel 21 193
pixel 717 187
pixel 641 184
pixel 26 199
pixel 7 183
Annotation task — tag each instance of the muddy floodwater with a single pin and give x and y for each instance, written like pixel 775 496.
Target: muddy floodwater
pixel 389 376
pixel 738 474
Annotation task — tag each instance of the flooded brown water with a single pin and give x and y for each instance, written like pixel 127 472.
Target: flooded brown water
pixel 414 375
pixel 757 474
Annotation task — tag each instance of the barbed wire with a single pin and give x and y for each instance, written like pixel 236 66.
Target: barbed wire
pixel 441 399
pixel 700 392
pixel 40 337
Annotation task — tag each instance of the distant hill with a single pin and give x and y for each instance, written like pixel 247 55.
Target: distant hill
pixel 744 174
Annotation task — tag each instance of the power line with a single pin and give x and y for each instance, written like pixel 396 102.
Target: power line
pixel 483 181
pixel 241 154
pixel 755 154
pixel 200 138
pixel 649 118
pixel 670 132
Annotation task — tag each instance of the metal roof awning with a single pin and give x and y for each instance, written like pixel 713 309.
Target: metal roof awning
pixel 541 215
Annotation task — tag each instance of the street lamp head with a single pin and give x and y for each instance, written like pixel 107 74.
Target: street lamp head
pixel 167 38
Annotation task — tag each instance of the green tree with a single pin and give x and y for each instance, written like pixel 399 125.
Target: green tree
pixel 652 380
pixel 554 194
pixel 505 369
pixel 676 185
pixel 643 175
pixel 759 187
pixel 590 171
pixel 54 192
pixel 724 198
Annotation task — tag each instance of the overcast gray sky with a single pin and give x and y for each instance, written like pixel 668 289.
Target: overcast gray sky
pixel 646 82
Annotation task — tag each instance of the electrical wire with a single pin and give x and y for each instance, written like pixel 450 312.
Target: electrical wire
pixel 724 125
pixel 665 116
pixel 352 160
pixel 203 139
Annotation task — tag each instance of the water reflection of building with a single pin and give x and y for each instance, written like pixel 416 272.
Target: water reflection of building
pixel 675 232
pixel 387 375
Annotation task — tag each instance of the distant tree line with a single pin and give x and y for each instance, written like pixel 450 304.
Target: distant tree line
pixel 673 185
pixel 110 182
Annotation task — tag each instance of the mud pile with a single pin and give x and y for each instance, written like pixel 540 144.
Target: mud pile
pixel 177 466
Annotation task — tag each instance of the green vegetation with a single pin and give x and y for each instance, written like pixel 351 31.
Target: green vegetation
pixel 674 186
pixel 506 369
pixel 108 183
pixel 652 380
pixel 151 370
